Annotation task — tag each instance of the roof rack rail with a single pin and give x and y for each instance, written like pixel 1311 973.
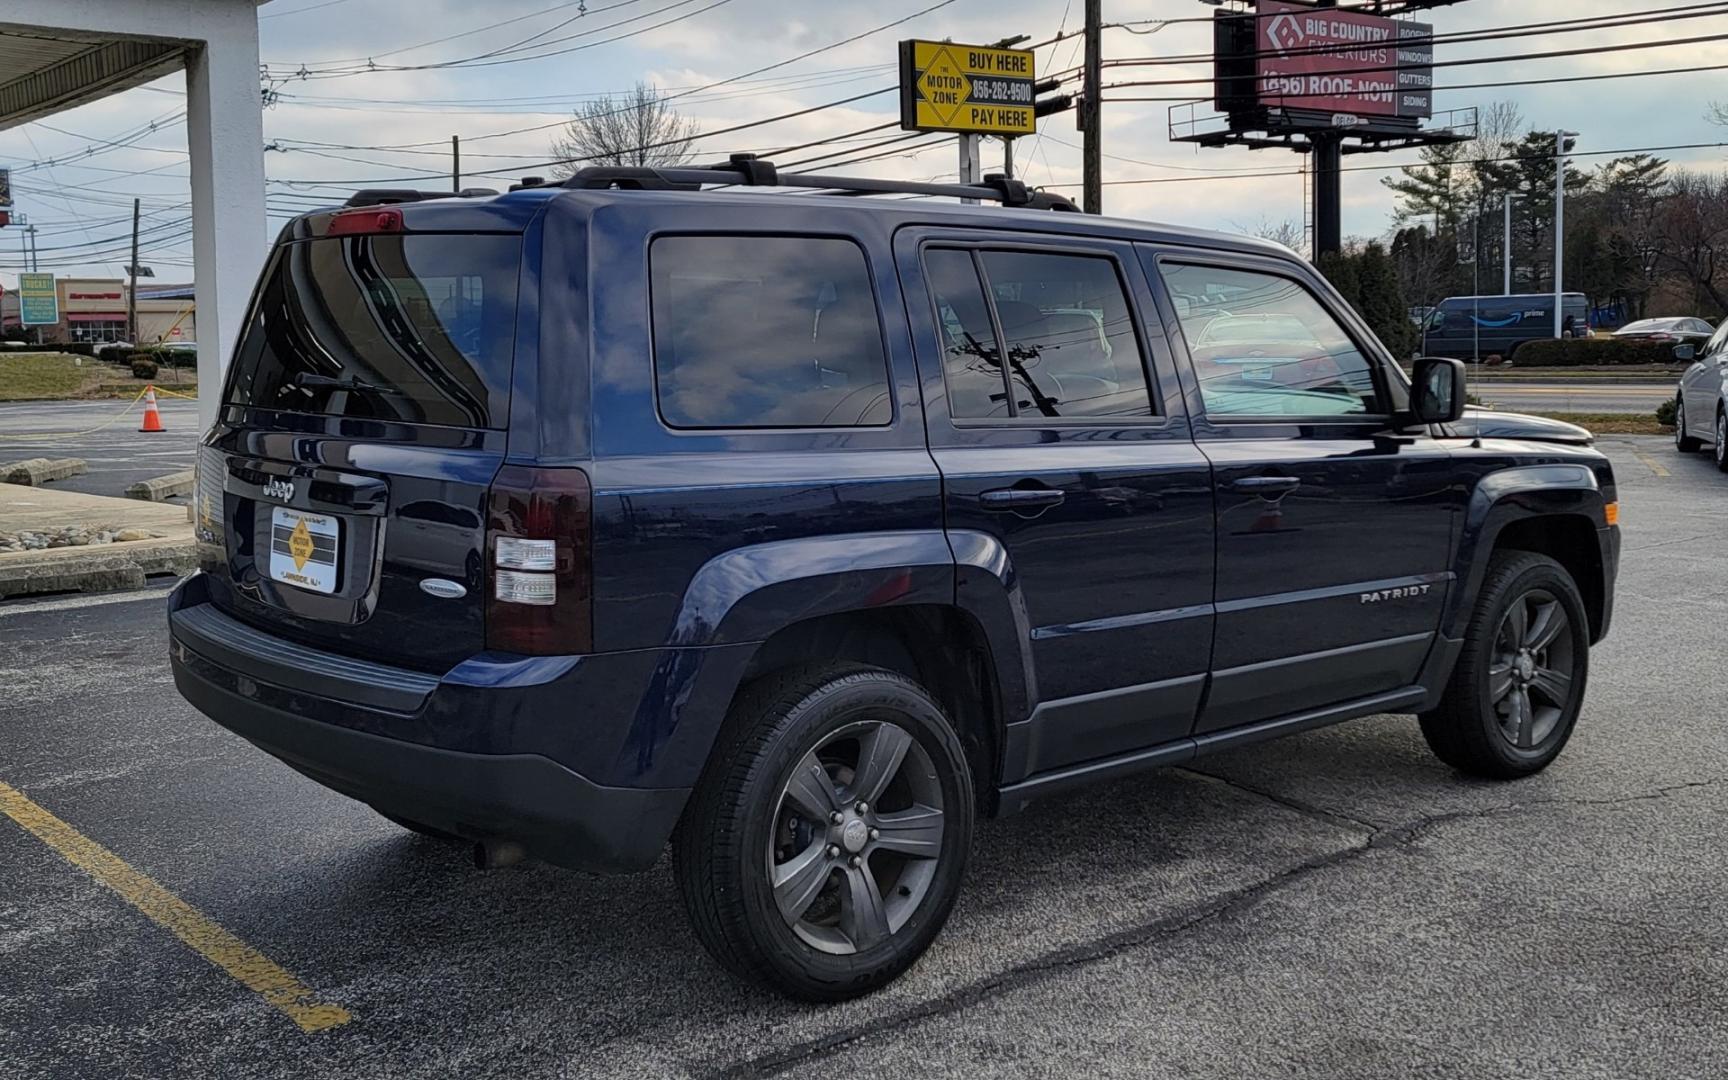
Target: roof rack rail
pixel 392 196
pixel 747 170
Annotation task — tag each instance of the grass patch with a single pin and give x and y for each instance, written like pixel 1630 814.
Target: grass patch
pixel 44 376
pixel 60 377
pixel 1610 423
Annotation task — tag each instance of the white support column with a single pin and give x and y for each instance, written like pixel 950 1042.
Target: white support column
pixel 225 134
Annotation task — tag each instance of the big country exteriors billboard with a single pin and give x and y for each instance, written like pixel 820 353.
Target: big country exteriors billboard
pixel 1337 61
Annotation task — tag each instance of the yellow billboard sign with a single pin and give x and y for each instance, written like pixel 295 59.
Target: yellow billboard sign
pixel 972 89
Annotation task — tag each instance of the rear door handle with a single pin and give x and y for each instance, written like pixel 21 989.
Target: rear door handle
pixel 1017 500
pixel 1267 485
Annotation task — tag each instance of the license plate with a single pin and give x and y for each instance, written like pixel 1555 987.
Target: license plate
pixel 303 549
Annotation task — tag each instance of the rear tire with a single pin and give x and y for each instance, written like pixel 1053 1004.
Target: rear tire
pixel 1515 693
pixel 1683 442
pixel 824 847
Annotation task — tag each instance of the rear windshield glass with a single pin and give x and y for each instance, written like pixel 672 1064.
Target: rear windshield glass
pixel 417 329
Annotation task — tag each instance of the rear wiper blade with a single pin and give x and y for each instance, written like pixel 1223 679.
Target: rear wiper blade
pixel 308 380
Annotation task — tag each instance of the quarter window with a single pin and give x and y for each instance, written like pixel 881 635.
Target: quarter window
pixel 766 331
pixel 1066 334
pixel 1264 346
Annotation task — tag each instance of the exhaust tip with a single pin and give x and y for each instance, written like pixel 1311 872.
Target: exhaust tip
pixel 497 854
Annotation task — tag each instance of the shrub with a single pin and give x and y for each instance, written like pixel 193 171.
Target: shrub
pixel 79 348
pixel 1592 352
pixel 144 368
pixel 114 354
pixel 1665 413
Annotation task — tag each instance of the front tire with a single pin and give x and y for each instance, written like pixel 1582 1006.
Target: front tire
pixel 1515 693
pixel 1683 442
pixel 823 850
pixel 1721 439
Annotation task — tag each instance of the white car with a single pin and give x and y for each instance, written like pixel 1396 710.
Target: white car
pixel 1701 405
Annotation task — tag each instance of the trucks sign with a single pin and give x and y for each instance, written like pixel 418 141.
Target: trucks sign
pixel 970 89
pixel 1336 61
pixel 38 300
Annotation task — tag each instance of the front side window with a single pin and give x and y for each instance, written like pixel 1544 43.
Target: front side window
pixel 1263 346
pixel 766 331
pixel 1066 348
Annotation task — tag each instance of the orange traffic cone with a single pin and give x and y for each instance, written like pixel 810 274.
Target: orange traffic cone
pixel 152 417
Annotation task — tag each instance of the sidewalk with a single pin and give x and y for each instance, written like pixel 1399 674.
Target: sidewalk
pixel 119 565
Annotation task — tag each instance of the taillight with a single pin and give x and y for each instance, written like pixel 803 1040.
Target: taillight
pixel 353 222
pixel 539 588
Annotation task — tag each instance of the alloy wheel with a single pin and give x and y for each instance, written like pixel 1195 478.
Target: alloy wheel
pixel 1721 438
pixel 857 836
pixel 1679 423
pixel 1530 682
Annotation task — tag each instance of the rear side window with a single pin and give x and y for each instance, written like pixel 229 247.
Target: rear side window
pixel 766 331
pixel 419 329
pixel 1065 329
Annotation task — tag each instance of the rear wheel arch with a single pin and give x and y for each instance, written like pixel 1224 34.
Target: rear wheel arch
pixel 942 648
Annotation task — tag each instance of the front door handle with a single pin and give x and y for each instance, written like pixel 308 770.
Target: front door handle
pixel 1019 500
pixel 1267 485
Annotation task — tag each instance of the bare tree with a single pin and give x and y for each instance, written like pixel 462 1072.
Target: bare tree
pixel 1284 232
pixel 638 129
pixel 1691 234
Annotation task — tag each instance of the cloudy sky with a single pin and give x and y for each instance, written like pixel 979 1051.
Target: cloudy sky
pixel 345 115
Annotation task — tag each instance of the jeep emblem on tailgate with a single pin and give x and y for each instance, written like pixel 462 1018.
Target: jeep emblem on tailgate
pixel 280 489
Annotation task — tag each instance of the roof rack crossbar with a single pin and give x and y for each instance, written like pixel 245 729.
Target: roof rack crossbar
pixel 747 170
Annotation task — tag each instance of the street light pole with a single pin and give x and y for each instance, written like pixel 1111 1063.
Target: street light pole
pixel 1507 290
pixel 1560 138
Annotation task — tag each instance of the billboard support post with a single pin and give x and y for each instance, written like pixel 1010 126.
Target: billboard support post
pixel 1328 193
pixel 969 167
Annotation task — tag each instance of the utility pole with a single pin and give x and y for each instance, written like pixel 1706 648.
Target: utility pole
pixel 132 289
pixel 456 164
pixel 1560 229
pixel 1091 109
pixel 1008 156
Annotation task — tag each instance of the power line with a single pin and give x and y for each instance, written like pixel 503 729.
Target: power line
pixel 1625 152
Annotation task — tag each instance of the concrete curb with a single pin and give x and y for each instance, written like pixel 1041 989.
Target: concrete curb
pixel 96 566
pixel 33 472
pixel 158 488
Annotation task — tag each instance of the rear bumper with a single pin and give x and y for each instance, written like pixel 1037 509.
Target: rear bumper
pixel 557 813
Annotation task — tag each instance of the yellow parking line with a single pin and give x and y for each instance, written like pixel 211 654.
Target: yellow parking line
pixel 252 968
pixel 1649 462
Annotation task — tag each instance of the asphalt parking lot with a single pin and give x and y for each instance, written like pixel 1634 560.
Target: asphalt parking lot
pixel 118 455
pixel 1338 905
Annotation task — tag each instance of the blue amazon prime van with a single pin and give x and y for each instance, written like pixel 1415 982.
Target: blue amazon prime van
pixel 1474 328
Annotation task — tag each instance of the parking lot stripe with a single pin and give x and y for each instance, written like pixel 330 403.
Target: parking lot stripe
pixel 252 968
pixel 1649 462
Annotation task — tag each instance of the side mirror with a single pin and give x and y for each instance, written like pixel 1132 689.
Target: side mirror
pixel 1437 390
pixel 1685 353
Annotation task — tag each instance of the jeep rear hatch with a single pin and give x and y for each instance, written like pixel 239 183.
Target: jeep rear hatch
pixel 347 480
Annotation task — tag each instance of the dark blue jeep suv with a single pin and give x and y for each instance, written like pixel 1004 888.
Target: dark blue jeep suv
pixel 800 529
